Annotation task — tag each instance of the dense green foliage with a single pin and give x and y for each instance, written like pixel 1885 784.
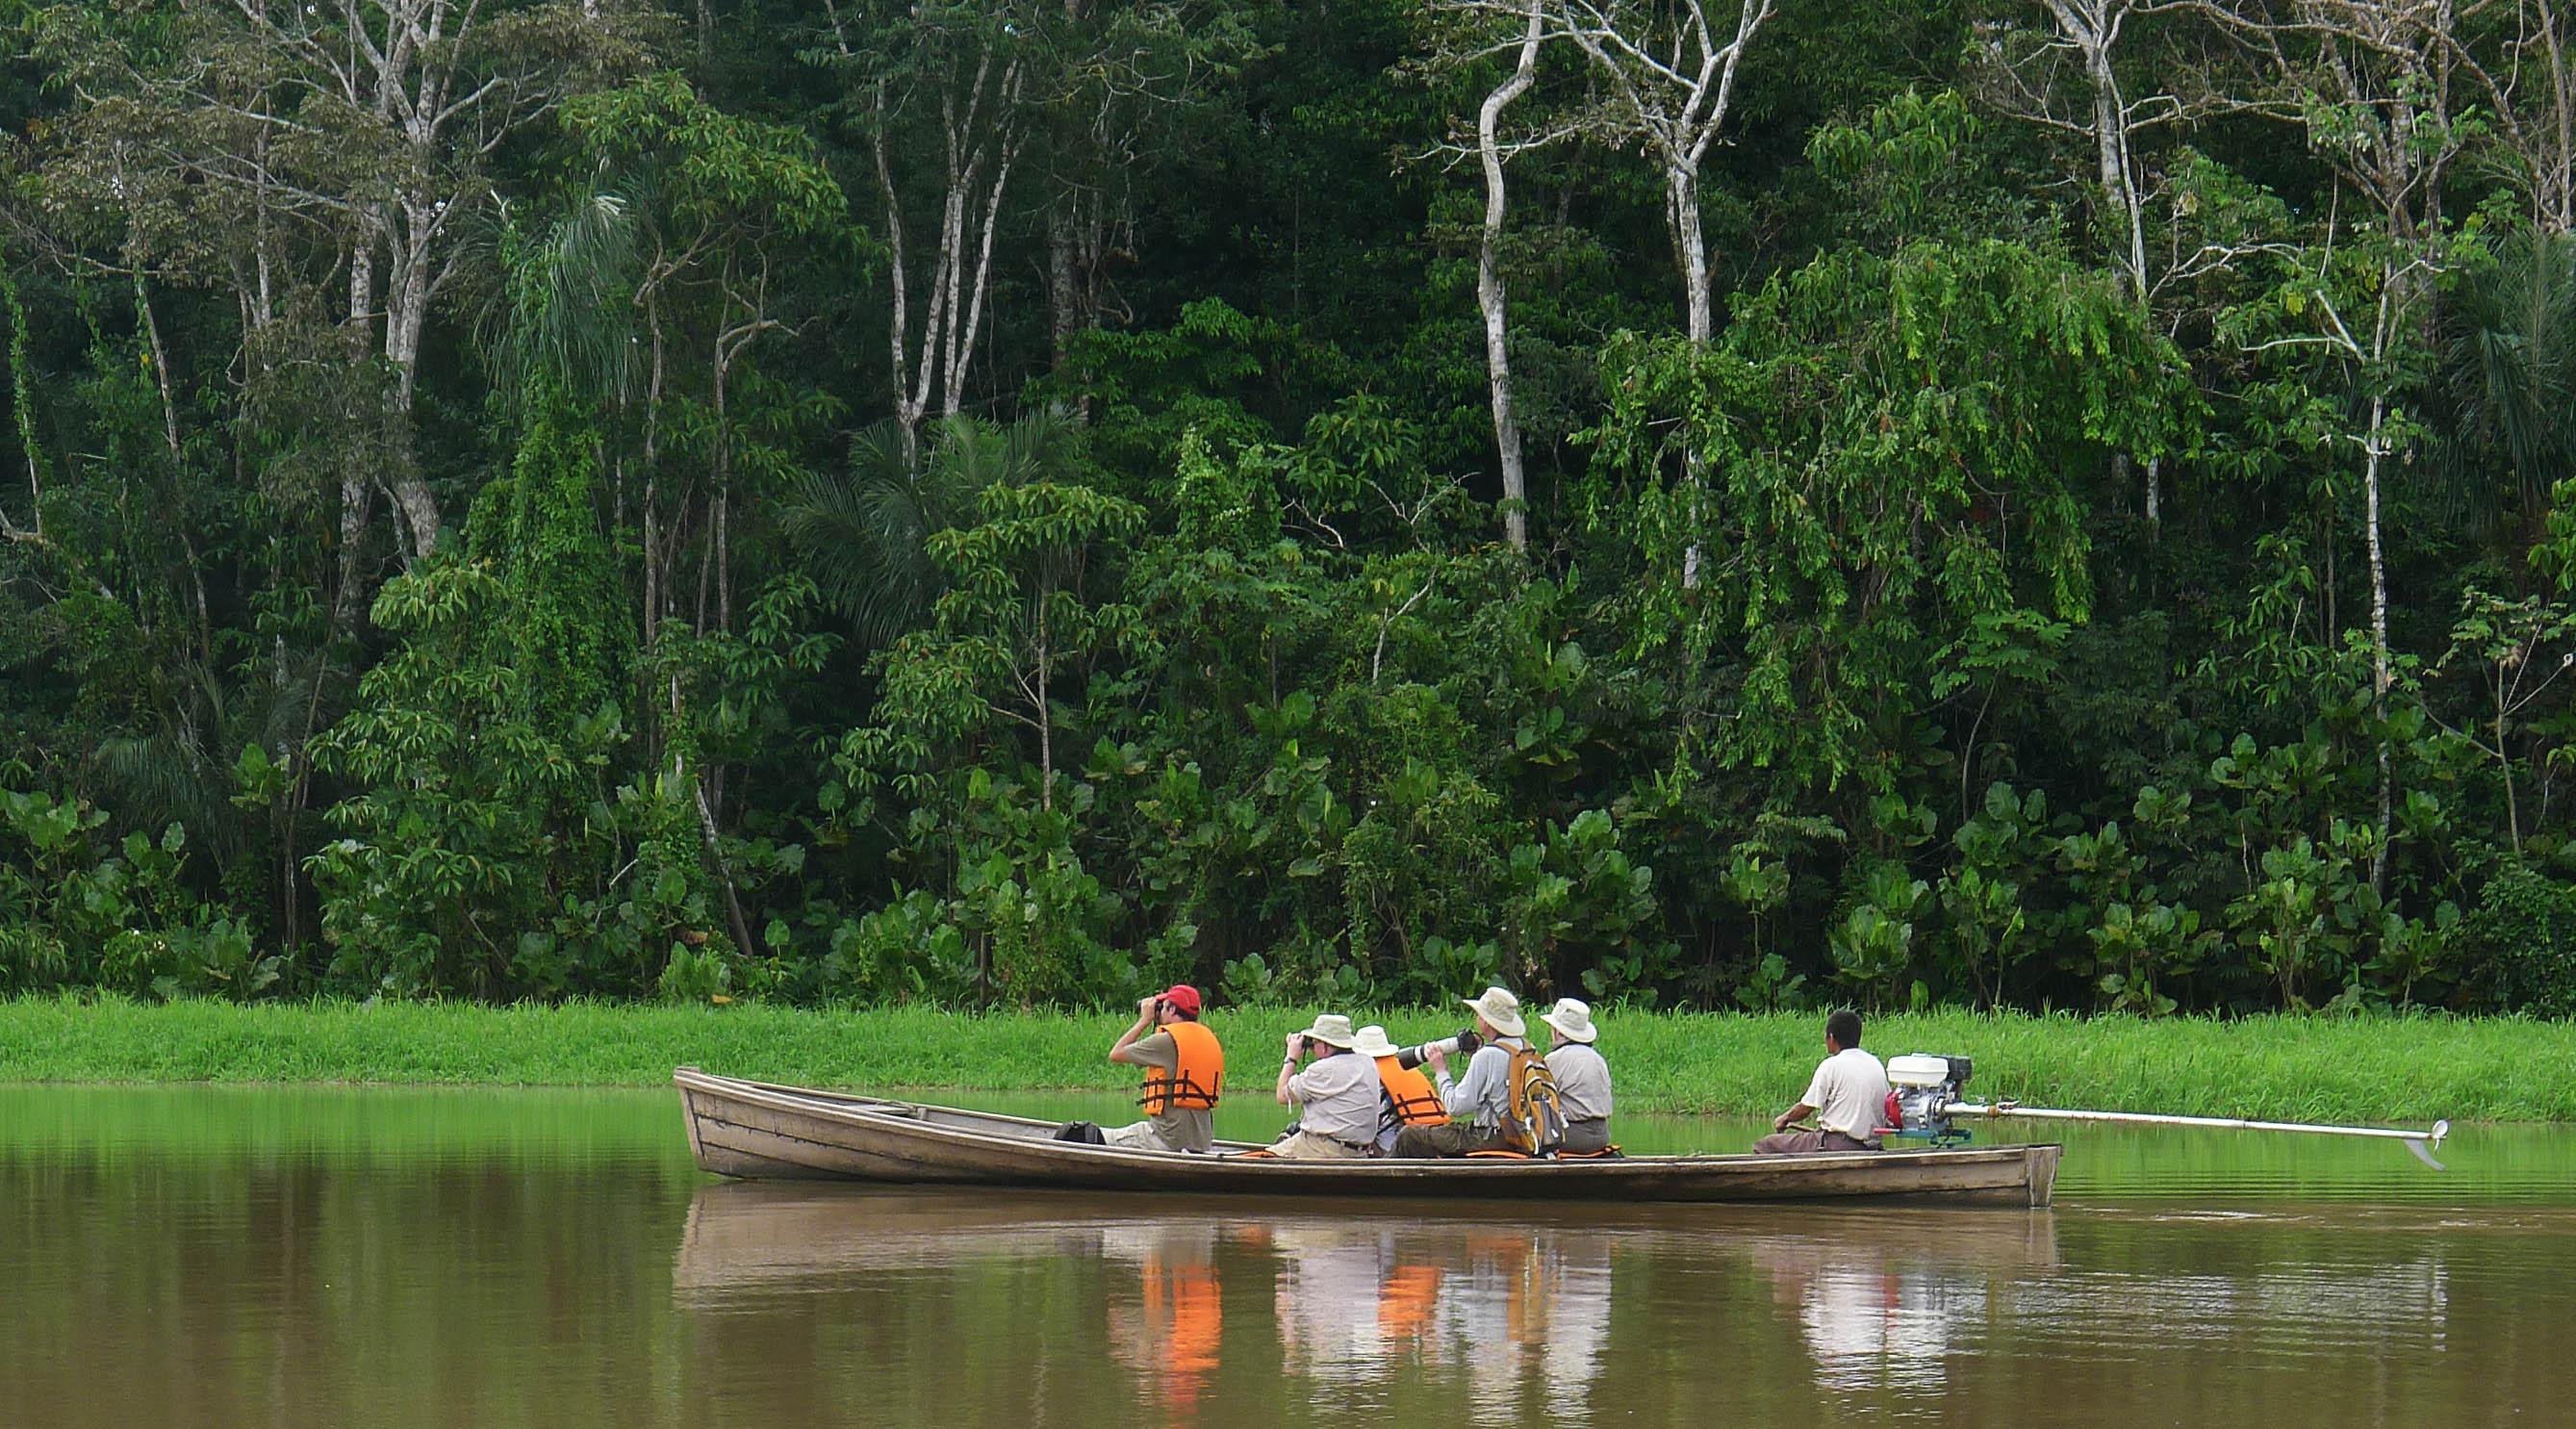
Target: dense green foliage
pixel 998 505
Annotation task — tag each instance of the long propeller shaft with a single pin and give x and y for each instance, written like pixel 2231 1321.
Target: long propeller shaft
pixel 2433 1137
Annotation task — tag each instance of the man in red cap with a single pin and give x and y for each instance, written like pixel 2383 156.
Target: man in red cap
pixel 1184 1070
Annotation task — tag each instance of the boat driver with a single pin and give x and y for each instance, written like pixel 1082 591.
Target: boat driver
pixel 1184 1070
pixel 1847 1097
pixel 1336 1095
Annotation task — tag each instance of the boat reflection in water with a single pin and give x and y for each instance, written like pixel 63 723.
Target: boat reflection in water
pixel 1510 1310
pixel 1885 1312
pixel 1045 1302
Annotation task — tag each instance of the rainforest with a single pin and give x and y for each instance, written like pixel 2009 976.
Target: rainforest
pixel 1994 504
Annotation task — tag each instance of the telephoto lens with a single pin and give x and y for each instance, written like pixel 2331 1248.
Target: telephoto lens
pixel 1416 1056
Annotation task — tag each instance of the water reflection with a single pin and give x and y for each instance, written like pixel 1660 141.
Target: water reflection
pixel 1169 1334
pixel 1505 1308
pixel 1515 1318
pixel 1884 1297
pixel 225 1256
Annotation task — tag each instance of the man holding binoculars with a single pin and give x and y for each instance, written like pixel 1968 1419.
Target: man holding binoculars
pixel 1336 1095
pixel 1184 1070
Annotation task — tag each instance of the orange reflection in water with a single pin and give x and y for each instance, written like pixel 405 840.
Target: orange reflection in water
pixel 1171 1336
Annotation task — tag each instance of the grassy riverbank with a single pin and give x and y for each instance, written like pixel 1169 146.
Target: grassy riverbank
pixel 2401 1070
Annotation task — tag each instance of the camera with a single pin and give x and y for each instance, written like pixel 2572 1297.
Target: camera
pixel 1466 1042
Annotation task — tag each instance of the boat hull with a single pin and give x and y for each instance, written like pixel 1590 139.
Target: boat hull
pixel 762 1131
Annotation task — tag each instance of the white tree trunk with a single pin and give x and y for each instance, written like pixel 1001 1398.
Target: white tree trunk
pixel 1489 284
pixel 1690 244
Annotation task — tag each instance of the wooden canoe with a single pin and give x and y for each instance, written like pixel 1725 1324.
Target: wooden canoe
pixel 762 1131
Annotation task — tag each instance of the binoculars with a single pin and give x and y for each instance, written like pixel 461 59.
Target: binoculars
pixel 1466 1041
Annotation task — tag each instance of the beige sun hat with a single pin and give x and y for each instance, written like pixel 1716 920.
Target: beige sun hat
pixel 1372 1042
pixel 1501 1009
pixel 1331 1027
pixel 1572 1019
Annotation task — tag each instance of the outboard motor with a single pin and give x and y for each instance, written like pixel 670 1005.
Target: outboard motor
pixel 1923 1087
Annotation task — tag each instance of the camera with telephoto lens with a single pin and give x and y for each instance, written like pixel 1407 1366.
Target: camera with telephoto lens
pixel 1465 1043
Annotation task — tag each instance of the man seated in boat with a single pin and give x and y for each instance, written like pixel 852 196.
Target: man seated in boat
pixel 1847 1097
pixel 1336 1096
pixel 1582 1077
pixel 1405 1096
pixel 1184 1070
pixel 1492 1108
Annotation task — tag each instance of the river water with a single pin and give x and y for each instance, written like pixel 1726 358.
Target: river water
pixel 452 1258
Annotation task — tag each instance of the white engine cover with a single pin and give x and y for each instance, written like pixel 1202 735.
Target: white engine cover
pixel 1917 1069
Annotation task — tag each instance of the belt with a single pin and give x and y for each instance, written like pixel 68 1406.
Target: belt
pixel 1367 1148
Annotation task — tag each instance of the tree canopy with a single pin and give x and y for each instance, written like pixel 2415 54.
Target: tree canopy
pixel 2055 503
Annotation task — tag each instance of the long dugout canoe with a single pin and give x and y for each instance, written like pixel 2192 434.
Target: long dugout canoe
pixel 762 1131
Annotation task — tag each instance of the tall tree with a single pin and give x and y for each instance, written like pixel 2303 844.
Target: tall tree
pixel 1670 68
pixel 2372 82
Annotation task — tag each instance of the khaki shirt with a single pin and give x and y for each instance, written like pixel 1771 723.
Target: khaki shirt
pixel 1337 1097
pixel 1179 1128
pixel 1485 1093
pixel 1582 1081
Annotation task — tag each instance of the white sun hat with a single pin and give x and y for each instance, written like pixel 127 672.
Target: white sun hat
pixel 1331 1027
pixel 1500 1009
pixel 1372 1042
pixel 1572 1019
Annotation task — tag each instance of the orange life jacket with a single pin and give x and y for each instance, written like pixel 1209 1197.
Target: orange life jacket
pixel 1195 1082
pixel 1416 1104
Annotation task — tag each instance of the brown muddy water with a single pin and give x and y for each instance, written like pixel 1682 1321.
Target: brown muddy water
pixel 448 1258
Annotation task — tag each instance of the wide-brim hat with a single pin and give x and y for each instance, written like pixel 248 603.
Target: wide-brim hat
pixel 1572 1019
pixel 1501 1011
pixel 1372 1042
pixel 1334 1028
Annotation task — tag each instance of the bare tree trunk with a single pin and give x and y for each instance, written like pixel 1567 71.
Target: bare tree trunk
pixel 409 288
pixel 908 407
pixel 2091 29
pixel 1046 715
pixel 357 493
pixel 1063 316
pixel 985 132
pixel 1489 284
pixel 2375 447
pixel 172 449
pixel 715 857
pixel 962 335
pixel 1682 192
pixel 1681 188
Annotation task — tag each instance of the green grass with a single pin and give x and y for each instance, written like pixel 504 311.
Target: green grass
pixel 2404 1070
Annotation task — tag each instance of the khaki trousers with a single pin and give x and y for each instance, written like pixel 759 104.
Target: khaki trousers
pixel 1307 1146
pixel 1453 1138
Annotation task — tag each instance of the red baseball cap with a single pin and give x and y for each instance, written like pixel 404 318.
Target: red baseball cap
pixel 1184 997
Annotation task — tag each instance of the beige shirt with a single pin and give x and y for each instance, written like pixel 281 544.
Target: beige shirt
pixel 1180 1128
pixel 1485 1093
pixel 1582 1081
pixel 1336 1096
pixel 1849 1093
